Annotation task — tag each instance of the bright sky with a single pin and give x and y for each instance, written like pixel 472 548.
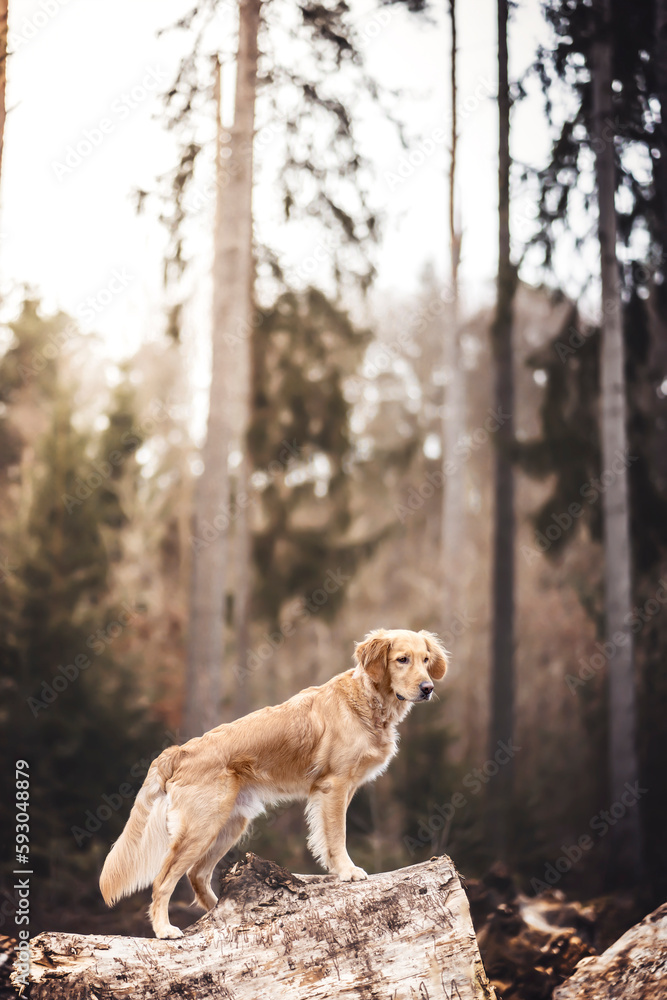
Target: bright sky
pixel 94 70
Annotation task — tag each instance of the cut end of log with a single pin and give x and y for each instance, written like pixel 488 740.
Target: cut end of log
pixel 400 934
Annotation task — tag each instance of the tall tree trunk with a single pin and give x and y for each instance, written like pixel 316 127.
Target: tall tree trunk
pixel 453 411
pixel 623 765
pixel 239 397
pixel 243 559
pixel 231 327
pixel 660 65
pixel 502 650
pixel 659 166
pixel 3 72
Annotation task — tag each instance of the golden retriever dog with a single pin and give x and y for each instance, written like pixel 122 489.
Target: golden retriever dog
pixel 321 745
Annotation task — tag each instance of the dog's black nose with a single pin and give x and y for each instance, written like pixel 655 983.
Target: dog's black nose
pixel 426 687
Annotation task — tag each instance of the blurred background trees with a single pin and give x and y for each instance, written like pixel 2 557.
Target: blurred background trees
pixel 156 579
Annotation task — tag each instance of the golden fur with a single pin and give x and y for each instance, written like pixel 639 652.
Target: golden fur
pixel 198 799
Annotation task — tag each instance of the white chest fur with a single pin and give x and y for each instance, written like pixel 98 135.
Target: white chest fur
pixel 378 762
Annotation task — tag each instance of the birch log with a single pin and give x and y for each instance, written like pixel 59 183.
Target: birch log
pixel 276 936
pixel 633 968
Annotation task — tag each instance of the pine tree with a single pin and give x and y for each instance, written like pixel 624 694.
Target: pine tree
pixel 603 56
pixel 72 706
pixel 299 441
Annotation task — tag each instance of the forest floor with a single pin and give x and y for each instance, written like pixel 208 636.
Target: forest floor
pixel 530 945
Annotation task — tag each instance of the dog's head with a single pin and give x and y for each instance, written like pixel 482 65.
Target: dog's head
pixel 403 663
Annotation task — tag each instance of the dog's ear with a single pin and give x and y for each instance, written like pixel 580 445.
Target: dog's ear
pixel 371 654
pixel 437 662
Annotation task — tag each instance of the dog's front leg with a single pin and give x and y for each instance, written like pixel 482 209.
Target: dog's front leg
pixel 327 807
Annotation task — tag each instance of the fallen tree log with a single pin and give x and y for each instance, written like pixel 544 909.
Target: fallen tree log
pixel 633 968
pixel 278 936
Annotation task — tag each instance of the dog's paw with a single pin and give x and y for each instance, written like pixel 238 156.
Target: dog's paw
pixel 353 874
pixel 170 932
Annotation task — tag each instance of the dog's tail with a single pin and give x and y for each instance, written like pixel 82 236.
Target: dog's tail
pixel 136 857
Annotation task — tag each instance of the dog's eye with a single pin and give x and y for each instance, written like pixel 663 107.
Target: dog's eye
pixel 402 659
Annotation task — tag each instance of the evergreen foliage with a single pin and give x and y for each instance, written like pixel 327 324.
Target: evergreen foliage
pixel 71 705
pixel 569 446
pixel 300 447
pixel 324 174
pixel 564 186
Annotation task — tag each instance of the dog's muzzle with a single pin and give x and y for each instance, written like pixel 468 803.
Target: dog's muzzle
pixel 424 695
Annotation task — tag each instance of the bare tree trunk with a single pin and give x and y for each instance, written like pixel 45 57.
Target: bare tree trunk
pixel 3 73
pixel 660 64
pixel 230 372
pixel 453 412
pixel 243 560
pixel 502 650
pixel 406 933
pixel 623 764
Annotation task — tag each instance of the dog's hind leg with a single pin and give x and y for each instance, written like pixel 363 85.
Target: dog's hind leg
pixel 202 871
pixel 196 815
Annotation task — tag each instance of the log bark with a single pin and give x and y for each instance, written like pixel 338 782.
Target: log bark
pixel 633 968
pixel 278 936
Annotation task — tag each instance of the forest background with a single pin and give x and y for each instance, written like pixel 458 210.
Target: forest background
pixel 254 403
